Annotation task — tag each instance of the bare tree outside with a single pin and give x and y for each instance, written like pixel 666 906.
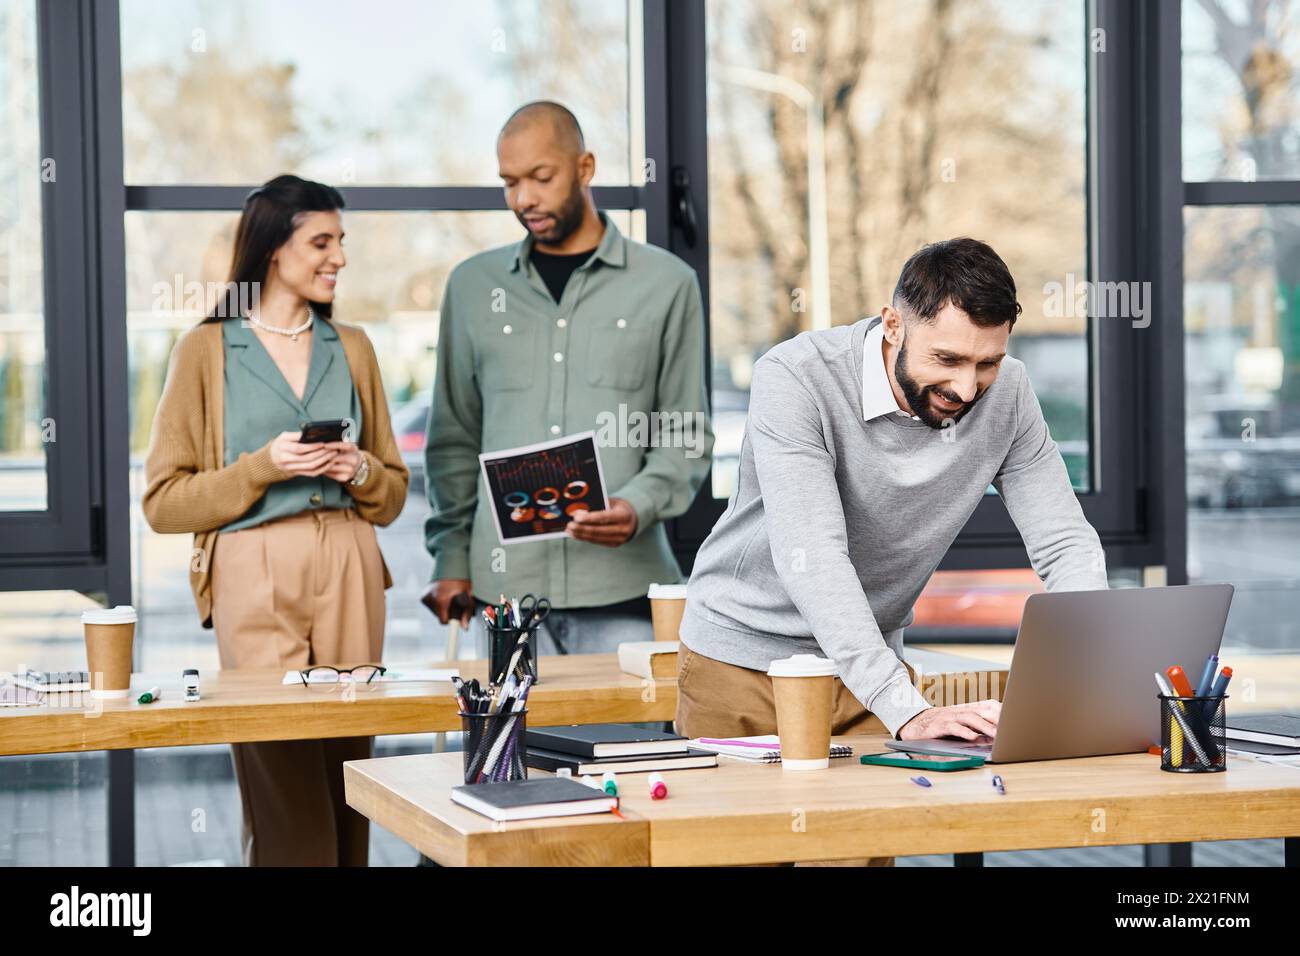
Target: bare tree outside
pixel 940 119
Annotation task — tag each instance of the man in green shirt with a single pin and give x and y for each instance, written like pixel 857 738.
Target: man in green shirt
pixel 575 328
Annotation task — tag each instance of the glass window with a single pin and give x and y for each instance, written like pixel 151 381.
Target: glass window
pixel 1241 116
pixel 23 428
pixel 832 158
pixel 53 805
pixel 1242 318
pixel 397 267
pixel 236 91
pixel 55 810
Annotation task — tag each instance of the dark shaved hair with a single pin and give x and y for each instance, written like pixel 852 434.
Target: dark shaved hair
pixel 964 272
pixel 564 125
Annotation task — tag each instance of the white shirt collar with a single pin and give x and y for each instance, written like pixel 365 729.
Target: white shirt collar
pixel 877 394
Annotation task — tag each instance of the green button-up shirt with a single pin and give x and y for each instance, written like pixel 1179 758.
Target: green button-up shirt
pixel 258 404
pixel 624 344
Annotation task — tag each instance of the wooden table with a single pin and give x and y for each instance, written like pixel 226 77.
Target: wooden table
pixel 742 814
pixel 252 705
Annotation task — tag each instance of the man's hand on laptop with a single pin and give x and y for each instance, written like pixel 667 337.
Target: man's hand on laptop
pixel 967 721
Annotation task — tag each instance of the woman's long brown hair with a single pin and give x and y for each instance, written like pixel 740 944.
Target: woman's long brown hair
pixel 271 213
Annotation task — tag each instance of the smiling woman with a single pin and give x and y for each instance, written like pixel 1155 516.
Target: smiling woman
pixel 272 511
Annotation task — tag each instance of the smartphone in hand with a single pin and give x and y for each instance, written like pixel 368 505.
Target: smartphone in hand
pixel 323 431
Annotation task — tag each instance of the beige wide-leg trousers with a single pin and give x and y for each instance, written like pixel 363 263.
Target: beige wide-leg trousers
pixel 299 591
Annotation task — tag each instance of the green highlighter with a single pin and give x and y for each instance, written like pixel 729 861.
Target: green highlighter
pixel 897 758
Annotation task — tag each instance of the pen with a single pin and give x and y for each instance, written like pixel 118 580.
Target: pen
pixel 149 696
pixel 1207 675
pixel 494 752
pixel 920 781
pixel 1001 787
pixel 1195 713
pixel 1218 690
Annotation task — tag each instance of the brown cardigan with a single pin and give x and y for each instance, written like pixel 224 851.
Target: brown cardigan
pixel 189 489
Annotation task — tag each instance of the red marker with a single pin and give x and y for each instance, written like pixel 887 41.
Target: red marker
pixel 658 789
pixel 1181 686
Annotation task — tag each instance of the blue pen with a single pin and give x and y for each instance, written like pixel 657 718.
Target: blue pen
pixel 1220 686
pixel 920 781
pixel 1207 675
pixel 1001 787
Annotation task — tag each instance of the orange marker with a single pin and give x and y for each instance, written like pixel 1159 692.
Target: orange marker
pixel 1181 687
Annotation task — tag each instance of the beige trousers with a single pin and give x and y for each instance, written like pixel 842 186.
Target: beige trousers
pixel 288 594
pixel 715 699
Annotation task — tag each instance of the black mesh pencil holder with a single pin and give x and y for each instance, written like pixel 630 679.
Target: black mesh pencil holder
pixel 1192 738
pixel 502 644
pixel 494 747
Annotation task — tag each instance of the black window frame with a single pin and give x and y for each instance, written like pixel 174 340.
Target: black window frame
pixel 69 544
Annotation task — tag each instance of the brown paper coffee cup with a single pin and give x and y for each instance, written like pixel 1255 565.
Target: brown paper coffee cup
pixel 667 604
pixel 802 687
pixel 110 636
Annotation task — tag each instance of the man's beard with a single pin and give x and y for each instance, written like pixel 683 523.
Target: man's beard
pixel 567 219
pixel 918 397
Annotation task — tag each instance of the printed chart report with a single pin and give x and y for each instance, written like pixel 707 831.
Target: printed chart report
pixel 537 489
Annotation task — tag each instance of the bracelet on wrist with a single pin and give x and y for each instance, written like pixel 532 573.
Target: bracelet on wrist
pixel 363 473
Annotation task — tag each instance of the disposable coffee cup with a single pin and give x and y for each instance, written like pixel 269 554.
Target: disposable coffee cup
pixel 667 603
pixel 802 686
pixel 110 634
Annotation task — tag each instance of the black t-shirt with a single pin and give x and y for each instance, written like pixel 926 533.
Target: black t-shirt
pixel 556 270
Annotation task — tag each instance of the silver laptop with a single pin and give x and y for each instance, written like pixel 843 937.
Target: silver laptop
pixel 1081 679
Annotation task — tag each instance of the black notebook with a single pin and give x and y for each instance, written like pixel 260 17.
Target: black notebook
pixel 600 741
pixel 532 799
pixel 539 759
pixel 1281 729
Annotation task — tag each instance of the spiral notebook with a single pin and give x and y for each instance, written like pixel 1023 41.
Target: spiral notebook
pixel 763 749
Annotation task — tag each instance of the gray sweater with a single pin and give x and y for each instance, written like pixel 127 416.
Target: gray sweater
pixel 837 523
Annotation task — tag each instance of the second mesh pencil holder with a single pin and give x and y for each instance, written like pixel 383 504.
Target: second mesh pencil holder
pixel 502 643
pixel 1192 738
pixel 494 747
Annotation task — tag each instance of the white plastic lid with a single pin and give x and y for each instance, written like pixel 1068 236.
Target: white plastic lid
pixel 802 665
pixel 667 591
pixel 122 614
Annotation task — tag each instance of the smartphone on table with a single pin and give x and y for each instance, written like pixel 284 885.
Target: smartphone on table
pixel 939 762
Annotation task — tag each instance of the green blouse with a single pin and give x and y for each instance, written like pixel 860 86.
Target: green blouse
pixel 259 404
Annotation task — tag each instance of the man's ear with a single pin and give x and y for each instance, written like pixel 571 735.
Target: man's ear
pixel 895 326
pixel 586 168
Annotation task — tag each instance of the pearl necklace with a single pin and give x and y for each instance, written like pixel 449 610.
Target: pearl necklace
pixel 292 333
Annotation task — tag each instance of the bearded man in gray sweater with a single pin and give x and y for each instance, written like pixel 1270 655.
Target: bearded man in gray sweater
pixel 866 450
